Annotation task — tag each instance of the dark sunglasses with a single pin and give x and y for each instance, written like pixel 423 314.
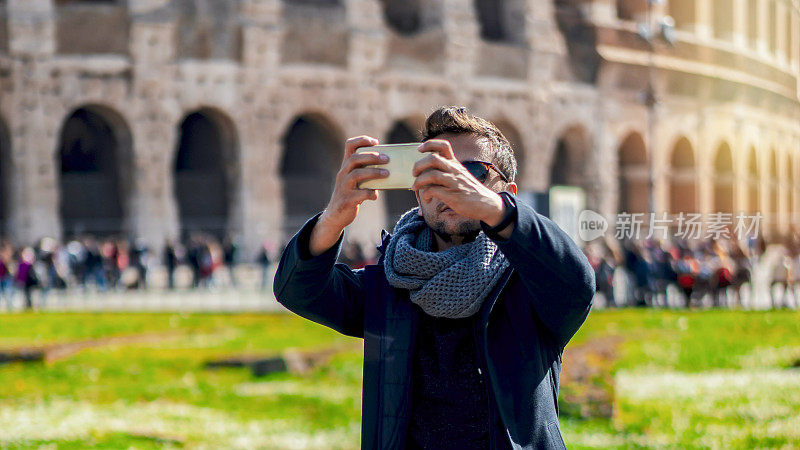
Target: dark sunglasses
pixel 480 170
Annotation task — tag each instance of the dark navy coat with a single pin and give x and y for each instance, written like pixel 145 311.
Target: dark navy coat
pixel 535 309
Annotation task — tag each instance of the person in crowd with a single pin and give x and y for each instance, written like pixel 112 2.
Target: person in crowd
pixel 263 260
pixel 6 275
pixel 230 250
pixel 25 277
pixel 170 261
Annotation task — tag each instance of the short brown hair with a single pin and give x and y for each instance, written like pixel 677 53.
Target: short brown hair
pixel 456 119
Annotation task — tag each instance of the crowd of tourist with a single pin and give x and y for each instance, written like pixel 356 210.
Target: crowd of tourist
pixel 715 273
pixel 628 273
pixel 112 264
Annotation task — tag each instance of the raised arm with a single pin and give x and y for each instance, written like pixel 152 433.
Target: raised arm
pixel 308 280
pixel 553 269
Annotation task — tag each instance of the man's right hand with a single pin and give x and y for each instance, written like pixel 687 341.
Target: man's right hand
pixel 343 206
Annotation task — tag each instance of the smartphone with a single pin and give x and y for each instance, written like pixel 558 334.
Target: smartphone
pixel 401 162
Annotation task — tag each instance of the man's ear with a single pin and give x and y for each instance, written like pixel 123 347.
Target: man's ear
pixel 419 211
pixel 512 187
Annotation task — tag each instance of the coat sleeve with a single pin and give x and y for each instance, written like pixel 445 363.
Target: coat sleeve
pixel 318 288
pixel 553 269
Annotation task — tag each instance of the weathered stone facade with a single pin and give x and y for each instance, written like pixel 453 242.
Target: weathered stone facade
pixel 564 79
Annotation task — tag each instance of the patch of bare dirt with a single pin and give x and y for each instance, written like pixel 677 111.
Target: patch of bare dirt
pixel 586 383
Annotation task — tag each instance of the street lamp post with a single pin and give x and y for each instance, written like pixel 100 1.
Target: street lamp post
pixel 652 32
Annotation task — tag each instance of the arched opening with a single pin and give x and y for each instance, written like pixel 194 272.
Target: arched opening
pixel 723 179
pixel 772 26
pixel 6 173
pixel 312 154
pixel 491 20
pixel 206 173
pixel 95 163
pixel 752 22
pixel 208 29
pixel 773 182
pixel 514 138
pixel 723 19
pixel 634 184
pixel 752 181
pixel 403 17
pixel 789 189
pixel 683 190
pixel 631 9
pixel 568 166
pixel 684 13
pixel 400 201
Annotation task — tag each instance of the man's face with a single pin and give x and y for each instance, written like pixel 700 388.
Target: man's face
pixel 443 220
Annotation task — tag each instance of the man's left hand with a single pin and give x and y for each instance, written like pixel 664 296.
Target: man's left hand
pixel 441 176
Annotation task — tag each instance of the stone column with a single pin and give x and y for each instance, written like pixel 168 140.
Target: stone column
pixel 546 42
pixel 259 141
pixel 740 23
pixel 154 216
pixel 704 25
pixel 34 133
pixel 462 39
pixel 367 38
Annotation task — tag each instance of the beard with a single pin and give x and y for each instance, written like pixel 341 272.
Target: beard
pixel 463 232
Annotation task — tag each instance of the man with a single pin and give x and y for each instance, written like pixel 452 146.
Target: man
pixel 467 312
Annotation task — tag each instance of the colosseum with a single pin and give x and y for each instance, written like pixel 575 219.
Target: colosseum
pixel 155 117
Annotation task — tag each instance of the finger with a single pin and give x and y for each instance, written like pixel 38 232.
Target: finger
pixel 431 191
pixel 435 178
pixel 365 174
pixel 439 146
pixel 361 195
pixel 432 161
pixel 364 159
pixel 357 142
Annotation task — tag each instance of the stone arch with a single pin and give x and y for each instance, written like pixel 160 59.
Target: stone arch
pixel 723 19
pixel 95 163
pixel 403 17
pixel 6 179
pixel 772 189
pixel 684 13
pixel 682 178
pixel 206 173
pixel 500 20
pixel 723 179
pixel 631 9
pixel 510 131
pixel 634 183
pixel 311 157
pixel 788 187
pixel 752 22
pixel 399 201
pixel 568 165
pixel 752 181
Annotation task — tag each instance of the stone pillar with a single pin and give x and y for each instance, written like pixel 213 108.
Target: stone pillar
pixel 259 143
pixel 795 55
pixel 462 39
pixel 547 46
pixel 740 23
pixel 367 40
pixel 762 26
pixel 780 29
pixel 262 33
pixel 153 212
pixel 34 133
pixel 704 26
pixel 705 173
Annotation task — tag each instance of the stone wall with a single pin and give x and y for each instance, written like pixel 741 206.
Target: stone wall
pixel 260 67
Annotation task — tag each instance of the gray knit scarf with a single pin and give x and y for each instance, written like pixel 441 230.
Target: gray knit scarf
pixel 452 283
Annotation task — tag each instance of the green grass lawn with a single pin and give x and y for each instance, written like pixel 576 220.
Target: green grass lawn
pixel 720 379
